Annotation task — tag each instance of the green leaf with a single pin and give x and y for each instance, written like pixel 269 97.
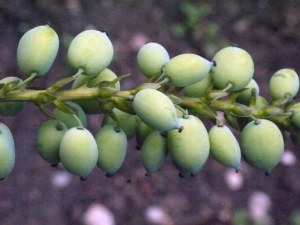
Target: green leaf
pixel 202 109
pixel 123 105
pixel 240 110
pixel 64 107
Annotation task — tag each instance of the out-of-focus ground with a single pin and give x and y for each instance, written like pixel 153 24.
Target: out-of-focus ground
pixel 36 193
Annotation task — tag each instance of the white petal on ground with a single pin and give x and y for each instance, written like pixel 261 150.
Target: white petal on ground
pixel 98 214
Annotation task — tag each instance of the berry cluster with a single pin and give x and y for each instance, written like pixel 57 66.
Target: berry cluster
pixel 162 114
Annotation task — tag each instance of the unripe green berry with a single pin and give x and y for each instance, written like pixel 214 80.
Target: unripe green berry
pixel 244 97
pixel 128 123
pixel 187 69
pixel 112 148
pixel 68 119
pixel 7 151
pixel 10 108
pixel 262 144
pixel 189 149
pixel 90 50
pixel 198 89
pixel 37 50
pixel 224 147
pixel 142 132
pixel 49 138
pixel 233 65
pixel 284 82
pixel 78 152
pixel 296 114
pixel 154 151
pixel 156 110
pixel 151 58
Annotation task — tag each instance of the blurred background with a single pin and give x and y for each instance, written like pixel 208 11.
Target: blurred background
pixel 35 193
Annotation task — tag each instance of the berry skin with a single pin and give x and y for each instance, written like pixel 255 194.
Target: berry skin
pixel 224 147
pixel 296 114
pixel 262 145
pixel 187 69
pixel 37 50
pixel 142 132
pixel 68 119
pixel 156 110
pixel 128 123
pixel 244 97
pixel 10 108
pixel 284 82
pixel 7 151
pixel 78 152
pixel 151 58
pixel 154 152
pixel 233 65
pixel 48 140
pixel 90 50
pixel 112 148
pixel 189 149
pixel 198 89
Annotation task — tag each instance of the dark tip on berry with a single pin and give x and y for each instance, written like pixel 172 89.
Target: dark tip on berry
pixel 54 165
pixel 109 175
pixel 148 174
pixel 105 32
pixel 193 174
pixel 214 63
pixel 268 173
pixel 180 129
pixel 235 45
pixel 48 24
pixel 181 175
pixel 138 147
pixel 2 178
pixel 83 178
pixel 238 170
pixel 117 129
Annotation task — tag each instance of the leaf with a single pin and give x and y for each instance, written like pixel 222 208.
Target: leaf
pixel 240 110
pixel 64 107
pixel 174 99
pixel 123 105
pixel 202 109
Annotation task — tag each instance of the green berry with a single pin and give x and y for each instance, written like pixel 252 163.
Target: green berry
pixel 189 149
pixel 261 102
pixel 262 144
pixel 37 50
pixel 156 110
pixel 49 138
pixel 78 152
pixel 7 151
pixel 154 151
pixel 10 108
pixel 296 114
pixel 112 148
pixel 187 69
pixel 151 58
pixel 91 106
pixel 128 123
pixel 244 97
pixel 142 132
pixel 224 147
pixel 68 119
pixel 92 51
pixel 233 65
pixel 284 82
pixel 198 89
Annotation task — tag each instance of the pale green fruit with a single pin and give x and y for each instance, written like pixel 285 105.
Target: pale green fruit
pixel 48 140
pixel 91 106
pixel 90 50
pixel 151 58
pixel 68 119
pixel 189 149
pixel 7 151
pixel 233 65
pixel 244 97
pixel 78 152
pixel 128 123
pixel 296 114
pixel 284 82
pixel 37 50
pixel 261 102
pixel 10 108
pixel 112 148
pixel 142 132
pixel 198 89
pixel 187 69
pixel 154 152
pixel 262 145
pixel 156 110
pixel 224 147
